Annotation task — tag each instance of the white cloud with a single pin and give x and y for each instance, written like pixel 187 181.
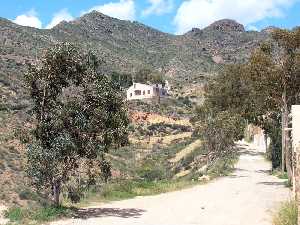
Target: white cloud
pixel 201 13
pixel 62 15
pixel 252 28
pixel 124 9
pixel 159 7
pixel 29 19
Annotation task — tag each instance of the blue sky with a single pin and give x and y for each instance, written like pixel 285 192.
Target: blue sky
pixel 172 16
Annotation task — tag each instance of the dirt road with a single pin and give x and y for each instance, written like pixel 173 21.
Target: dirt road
pixel 247 197
pixel 2 219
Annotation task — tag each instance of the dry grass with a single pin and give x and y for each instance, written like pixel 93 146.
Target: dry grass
pixel 155 118
pixel 287 214
pixel 12 159
pixel 184 152
pixel 163 140
pixel 183 173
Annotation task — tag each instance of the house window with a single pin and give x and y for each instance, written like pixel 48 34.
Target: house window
pixel 137 92
pixel 144 93
pixel 130 94
pixel 148 92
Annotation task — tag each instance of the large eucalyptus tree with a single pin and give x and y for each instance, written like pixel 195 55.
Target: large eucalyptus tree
pixel 79 115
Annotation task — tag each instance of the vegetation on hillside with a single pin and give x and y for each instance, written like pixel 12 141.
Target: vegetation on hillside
pixel 261 91
pixel 78 119
pixel 79 116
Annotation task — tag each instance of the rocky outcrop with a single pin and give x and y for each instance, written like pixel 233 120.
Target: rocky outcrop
pixel 227 25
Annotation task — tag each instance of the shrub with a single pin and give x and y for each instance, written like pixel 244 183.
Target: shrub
pixel 14 214
pixel 27 195
pixel 151 174
pixel 21 215
pixel 287 214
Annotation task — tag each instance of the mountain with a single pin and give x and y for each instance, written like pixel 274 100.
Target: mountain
pixel 125 47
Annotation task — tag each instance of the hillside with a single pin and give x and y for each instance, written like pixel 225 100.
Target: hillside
pixel 124 46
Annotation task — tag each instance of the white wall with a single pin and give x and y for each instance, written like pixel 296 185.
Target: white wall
pixel 296 126
pixel 147 89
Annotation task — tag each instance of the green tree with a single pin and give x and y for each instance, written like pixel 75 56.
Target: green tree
pixel 274 74
pixel 220 120
pixel 147 75
pixel 122 80
pixel 219 131
pixel 263 89
pixel 79 116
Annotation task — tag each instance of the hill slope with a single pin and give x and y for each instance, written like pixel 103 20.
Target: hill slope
pixel 128 45
pixel 125 47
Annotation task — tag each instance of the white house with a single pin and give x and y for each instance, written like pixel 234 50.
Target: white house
pixel 144 91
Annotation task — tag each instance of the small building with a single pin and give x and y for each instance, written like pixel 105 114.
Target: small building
pixel 144 91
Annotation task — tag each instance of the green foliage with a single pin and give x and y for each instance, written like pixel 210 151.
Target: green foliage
pixel 260 90
pixel 273 76
pixel 219 131
pixel 130 188
pixel 80 115
pixel 220 118
pixel 287 214
pixel 14 214
pixel 150 170
pixel 122 80
pixel 43 214
pixel 147 75
pixel 223 166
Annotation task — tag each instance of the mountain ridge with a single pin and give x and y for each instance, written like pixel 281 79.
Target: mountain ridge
pixel 127 46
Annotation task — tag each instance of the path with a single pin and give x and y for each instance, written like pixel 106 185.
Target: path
pixel 244 198
pixel 2 219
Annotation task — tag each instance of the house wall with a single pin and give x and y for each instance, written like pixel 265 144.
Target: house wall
pixel 144 91
pixel 258 137
pixel 140 91
pixel 296 126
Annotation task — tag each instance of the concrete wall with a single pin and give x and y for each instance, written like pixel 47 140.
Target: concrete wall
pixel 296 126
pixel 146 91
pixel 258 135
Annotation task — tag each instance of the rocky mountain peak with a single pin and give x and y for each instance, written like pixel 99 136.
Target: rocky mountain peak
pixel 269 29
pixel 226 25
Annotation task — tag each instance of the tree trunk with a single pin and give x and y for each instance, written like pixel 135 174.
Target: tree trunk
pixel 56 193
pixel 285 134
pixel 284 122
pixel 282 142
pixel 266 141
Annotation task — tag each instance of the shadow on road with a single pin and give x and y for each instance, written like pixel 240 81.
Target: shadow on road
pixel 272 183
pixel 252 153
pixel 268 172
pixel 108 212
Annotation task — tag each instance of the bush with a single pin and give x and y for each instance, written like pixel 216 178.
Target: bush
pixel 223 166
pixel 287 214
pixel 27 195
pixel 20 215
pixel 151 174
pixel 14 214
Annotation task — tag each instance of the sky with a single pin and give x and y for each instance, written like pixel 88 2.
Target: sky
pixel 171 16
